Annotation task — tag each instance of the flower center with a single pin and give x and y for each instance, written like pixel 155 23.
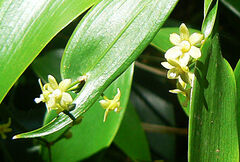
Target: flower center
pixel 185 46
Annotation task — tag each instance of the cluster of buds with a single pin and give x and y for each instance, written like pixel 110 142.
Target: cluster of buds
pixel 55 95
pixel 178 58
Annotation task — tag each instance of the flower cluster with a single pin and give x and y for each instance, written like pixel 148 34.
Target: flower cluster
pixel 4 128
pixel 110 105
pixel 185 50
pixel 55 95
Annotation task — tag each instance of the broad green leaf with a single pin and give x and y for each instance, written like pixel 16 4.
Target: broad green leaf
pixel 161 40
pixel 93 134
pixel 26 26
pixel 131 137
pixel 237 77
pixel 209 21
pixel 105 43
pixel 207 4
pixel 47 64
pixel 213 132
pixel 233 5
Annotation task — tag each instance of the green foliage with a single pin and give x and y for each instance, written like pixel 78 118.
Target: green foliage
pixel 112 57
pixel 101 40
pixel 131 138
pixel 213 108
pixel 26 33
pixel 92 134
pixel 237 76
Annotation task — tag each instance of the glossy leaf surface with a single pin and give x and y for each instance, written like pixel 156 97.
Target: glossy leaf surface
pixel 26 26
pixel 213 125
pixel 209 21
pixel 207 4
pixel 104 44
pixel 131 137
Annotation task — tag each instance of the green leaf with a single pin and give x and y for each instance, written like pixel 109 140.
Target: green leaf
pixel 131 137
pixel 209 21
pixel 92 134
pixel 104 44
pixel 207 4
pixel 26 27
pixel 47 64
pixel 213 132
pixel 237 77
pixel 161 40
pixel 233 5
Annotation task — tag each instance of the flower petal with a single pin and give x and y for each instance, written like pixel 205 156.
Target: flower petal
pixel 194 52
pixel 173 73
pixel 105 115
pixel 118 95
pixel 173 53
pixel 53 82
pixel 176 91
pixel 181 84
pixel 184 60
pixel 175 38
pixel 37 100
pixel 65 84
pixel 105 104
pixel 174 63
pixel 66 99
pixel 195 38
pixel 184 33
pixel 167 65
pixel 51 104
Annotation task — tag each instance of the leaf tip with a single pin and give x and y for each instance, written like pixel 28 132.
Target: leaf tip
pixel 15 137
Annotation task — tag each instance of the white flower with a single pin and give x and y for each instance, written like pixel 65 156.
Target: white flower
pixel 54 95
pixel 110 105
pixel 176 71
pixel 185 45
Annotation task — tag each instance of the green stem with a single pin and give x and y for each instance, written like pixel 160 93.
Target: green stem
pixel 69 114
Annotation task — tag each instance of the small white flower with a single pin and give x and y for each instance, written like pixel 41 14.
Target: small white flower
pixel 110 105
pixel 54 95
pixel 176 71
pixel 185 45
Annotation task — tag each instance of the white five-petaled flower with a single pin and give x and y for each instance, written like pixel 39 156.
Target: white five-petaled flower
pixel 110 105
pixel 178 71
pixel 55 95
pixel 185 45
